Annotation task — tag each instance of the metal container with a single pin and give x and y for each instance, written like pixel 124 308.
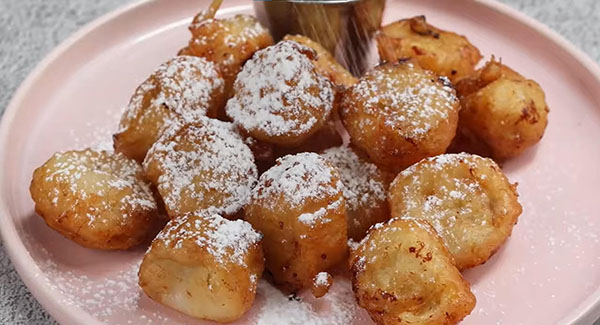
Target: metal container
pixel 344 27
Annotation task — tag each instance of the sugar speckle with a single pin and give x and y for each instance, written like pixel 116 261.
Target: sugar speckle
pixel 412 111
pixel 361 179
pixel 185 85
pixel 301 177
pixel 278 92
pixel 90 174
pixel 215 167
pixel 226 240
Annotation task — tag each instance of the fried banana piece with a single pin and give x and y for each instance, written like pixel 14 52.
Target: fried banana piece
pixel 280 97
pixel 299 207
pixel 445 53
pixel 204 266
pixel 202 165
pixel 403 274
pixel 502 109
pixel 228 42
pixel 466 198
pixel 181 89
pixel 325 63
pixel 399 113
pixel 365 190
pixel 98 199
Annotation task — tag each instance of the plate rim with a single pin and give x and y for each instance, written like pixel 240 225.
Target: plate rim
pixel 586 312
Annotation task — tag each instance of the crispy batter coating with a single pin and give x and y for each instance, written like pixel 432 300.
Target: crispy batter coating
pixel 298 206
pixel 325 62
pixel 399 114
pixel 202 165
pixel 503 109
pixel 280 97
pixel 204 266
pixel 403 274
pixel 266 154
pixel 97 199
pixel 365 190
pixel 228 42
pixel 181 89
pixel 327 137
pixel 466 198
pixel 445 53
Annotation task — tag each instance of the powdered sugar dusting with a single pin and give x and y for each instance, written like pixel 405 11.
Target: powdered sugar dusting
pixel 91 174
pixel 279 92
pixel 300 177
pixel 414 110
pixel 361 179
pixel 447 204
pixel 98 132
pixel 442 161
pixel 318 217
pixel 103 297
pixel 366 244
pixel 322 279
pixel 233 39
pixel 227 241
pixel 186 85
pixel 216 168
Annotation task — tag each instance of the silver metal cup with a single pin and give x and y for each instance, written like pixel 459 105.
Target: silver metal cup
pixel 344 27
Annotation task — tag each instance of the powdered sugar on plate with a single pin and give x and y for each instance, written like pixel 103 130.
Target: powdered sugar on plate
pixel 113 293
pixel 278 92
pixel 337 307
pixel 206 162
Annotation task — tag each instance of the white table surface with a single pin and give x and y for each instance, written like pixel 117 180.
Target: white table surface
pixel 29 29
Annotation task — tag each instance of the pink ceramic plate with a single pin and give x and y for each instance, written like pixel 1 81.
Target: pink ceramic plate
pixel 548 272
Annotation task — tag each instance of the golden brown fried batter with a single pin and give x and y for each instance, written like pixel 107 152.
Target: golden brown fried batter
pixel 321 284
pixel 466 198
pixel 228 42
pixel 204 266
pixel 503 109
pixel 325 62
pixel 402 274
pixel 399 114
pixel 299 207
pixel 280 97
pixel 327 137
pixel 365 190
pixel 445 53
pixel 202 165
pixel 96 198
pixel 181 89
